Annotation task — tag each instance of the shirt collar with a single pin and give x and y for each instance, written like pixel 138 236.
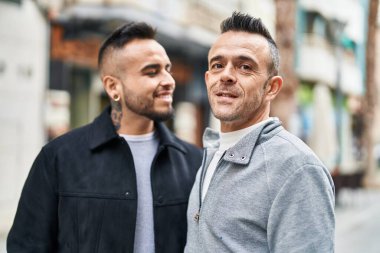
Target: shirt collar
pixel 103 132
pixel 242 151
pixel 229 139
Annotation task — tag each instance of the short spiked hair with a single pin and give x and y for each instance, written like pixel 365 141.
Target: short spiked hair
pixel 124 35
pixel 246 23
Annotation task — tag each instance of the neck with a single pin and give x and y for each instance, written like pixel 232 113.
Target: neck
pixel 247 119
pixel 230 126
pixel 130 123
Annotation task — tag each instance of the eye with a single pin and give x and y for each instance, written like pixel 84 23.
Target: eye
pixel 216 66
pixel 169 70
pixel 245 67
pixel 152 72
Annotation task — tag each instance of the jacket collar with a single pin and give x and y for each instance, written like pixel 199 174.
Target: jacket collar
pixel 167 138
pixel 242 151
pixel 103 132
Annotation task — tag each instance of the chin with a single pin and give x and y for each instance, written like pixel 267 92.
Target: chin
pixel 161 115
pixel 225 117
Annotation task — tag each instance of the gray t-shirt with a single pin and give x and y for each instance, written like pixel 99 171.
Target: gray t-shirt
pixel 144 148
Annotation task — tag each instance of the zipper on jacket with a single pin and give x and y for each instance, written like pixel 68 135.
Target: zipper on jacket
pixel 203 173
pixel 201 181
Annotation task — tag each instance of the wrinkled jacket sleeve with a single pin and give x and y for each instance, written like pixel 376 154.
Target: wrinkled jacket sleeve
pixel 35 224
pixel 302 214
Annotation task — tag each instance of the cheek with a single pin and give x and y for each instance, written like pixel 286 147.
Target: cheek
pixel 208 89
pixel 211 83
pixel 143 86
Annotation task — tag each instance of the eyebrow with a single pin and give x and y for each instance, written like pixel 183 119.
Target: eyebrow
pixel 239 57
pixel 151 66
pixel 246 58
pixel 216 58
pixel 154 66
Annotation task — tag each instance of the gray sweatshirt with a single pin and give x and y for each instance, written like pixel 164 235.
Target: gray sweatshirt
pixel 269 193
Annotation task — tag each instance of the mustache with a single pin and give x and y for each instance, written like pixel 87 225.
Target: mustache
pixel 222 88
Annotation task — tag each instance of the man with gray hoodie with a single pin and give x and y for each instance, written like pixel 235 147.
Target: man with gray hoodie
pixel 260 188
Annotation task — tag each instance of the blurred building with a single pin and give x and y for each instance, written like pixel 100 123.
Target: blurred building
pixel 24 58
pixel 377 109
pixel 330 63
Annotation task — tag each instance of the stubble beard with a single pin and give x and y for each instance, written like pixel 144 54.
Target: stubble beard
pixel 241 111
pixel 146 108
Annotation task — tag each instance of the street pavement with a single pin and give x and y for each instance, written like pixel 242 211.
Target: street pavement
pixel 357 222
pixel 2 244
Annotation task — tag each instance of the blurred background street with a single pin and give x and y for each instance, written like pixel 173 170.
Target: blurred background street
pixel 329 60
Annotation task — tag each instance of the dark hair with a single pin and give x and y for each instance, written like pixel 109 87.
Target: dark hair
pixel 124 35
pixel 246 23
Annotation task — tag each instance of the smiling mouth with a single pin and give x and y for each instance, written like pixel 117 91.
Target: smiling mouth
pixel 167 96
pixel 226 95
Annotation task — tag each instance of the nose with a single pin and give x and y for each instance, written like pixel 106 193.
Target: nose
pixel 168 81
pixel 228 75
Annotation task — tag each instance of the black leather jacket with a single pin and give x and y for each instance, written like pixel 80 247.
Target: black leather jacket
pixel 80 195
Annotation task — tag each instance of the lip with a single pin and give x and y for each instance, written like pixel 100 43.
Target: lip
pixel 164 95
pixel 226 94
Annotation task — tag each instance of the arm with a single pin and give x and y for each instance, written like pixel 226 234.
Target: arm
pixel 35 224
pixel 302 214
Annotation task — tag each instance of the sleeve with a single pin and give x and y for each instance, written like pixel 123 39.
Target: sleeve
pixel 302 214
pixel 35 225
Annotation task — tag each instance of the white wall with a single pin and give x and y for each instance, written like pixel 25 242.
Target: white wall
pixel 24 35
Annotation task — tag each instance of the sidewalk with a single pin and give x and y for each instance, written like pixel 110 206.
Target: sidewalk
pixel 2 244
pixel 358 221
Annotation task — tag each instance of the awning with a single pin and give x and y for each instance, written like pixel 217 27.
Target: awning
pixel 180 33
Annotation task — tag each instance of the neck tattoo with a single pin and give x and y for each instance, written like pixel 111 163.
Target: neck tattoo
pixel 116 114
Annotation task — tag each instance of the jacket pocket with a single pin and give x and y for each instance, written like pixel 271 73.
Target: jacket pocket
pixel 94 223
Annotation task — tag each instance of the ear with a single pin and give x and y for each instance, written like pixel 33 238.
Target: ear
pixel 111 86
pixel 206 76
pixel 273 87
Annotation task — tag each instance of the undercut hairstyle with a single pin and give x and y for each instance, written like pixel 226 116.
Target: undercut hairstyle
pixel 124 35
pixel 245 23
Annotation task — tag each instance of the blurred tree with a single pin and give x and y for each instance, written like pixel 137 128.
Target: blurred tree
pixel 370 98
pixel 285 103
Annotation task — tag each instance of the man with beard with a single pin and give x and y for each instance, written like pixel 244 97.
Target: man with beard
pixel 121 183
pixel 260 188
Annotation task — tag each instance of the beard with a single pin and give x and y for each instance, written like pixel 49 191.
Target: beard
pixel 239 111
pixel 145 107
pixel 159 116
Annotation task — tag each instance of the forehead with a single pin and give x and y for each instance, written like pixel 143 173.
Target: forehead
pixel 234 44
pixel 143 51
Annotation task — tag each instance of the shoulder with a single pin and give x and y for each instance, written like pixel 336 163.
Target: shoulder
pixel 168 138
pixel 70 140
pixel 286 147
pixel 288 157
pixel 188 147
